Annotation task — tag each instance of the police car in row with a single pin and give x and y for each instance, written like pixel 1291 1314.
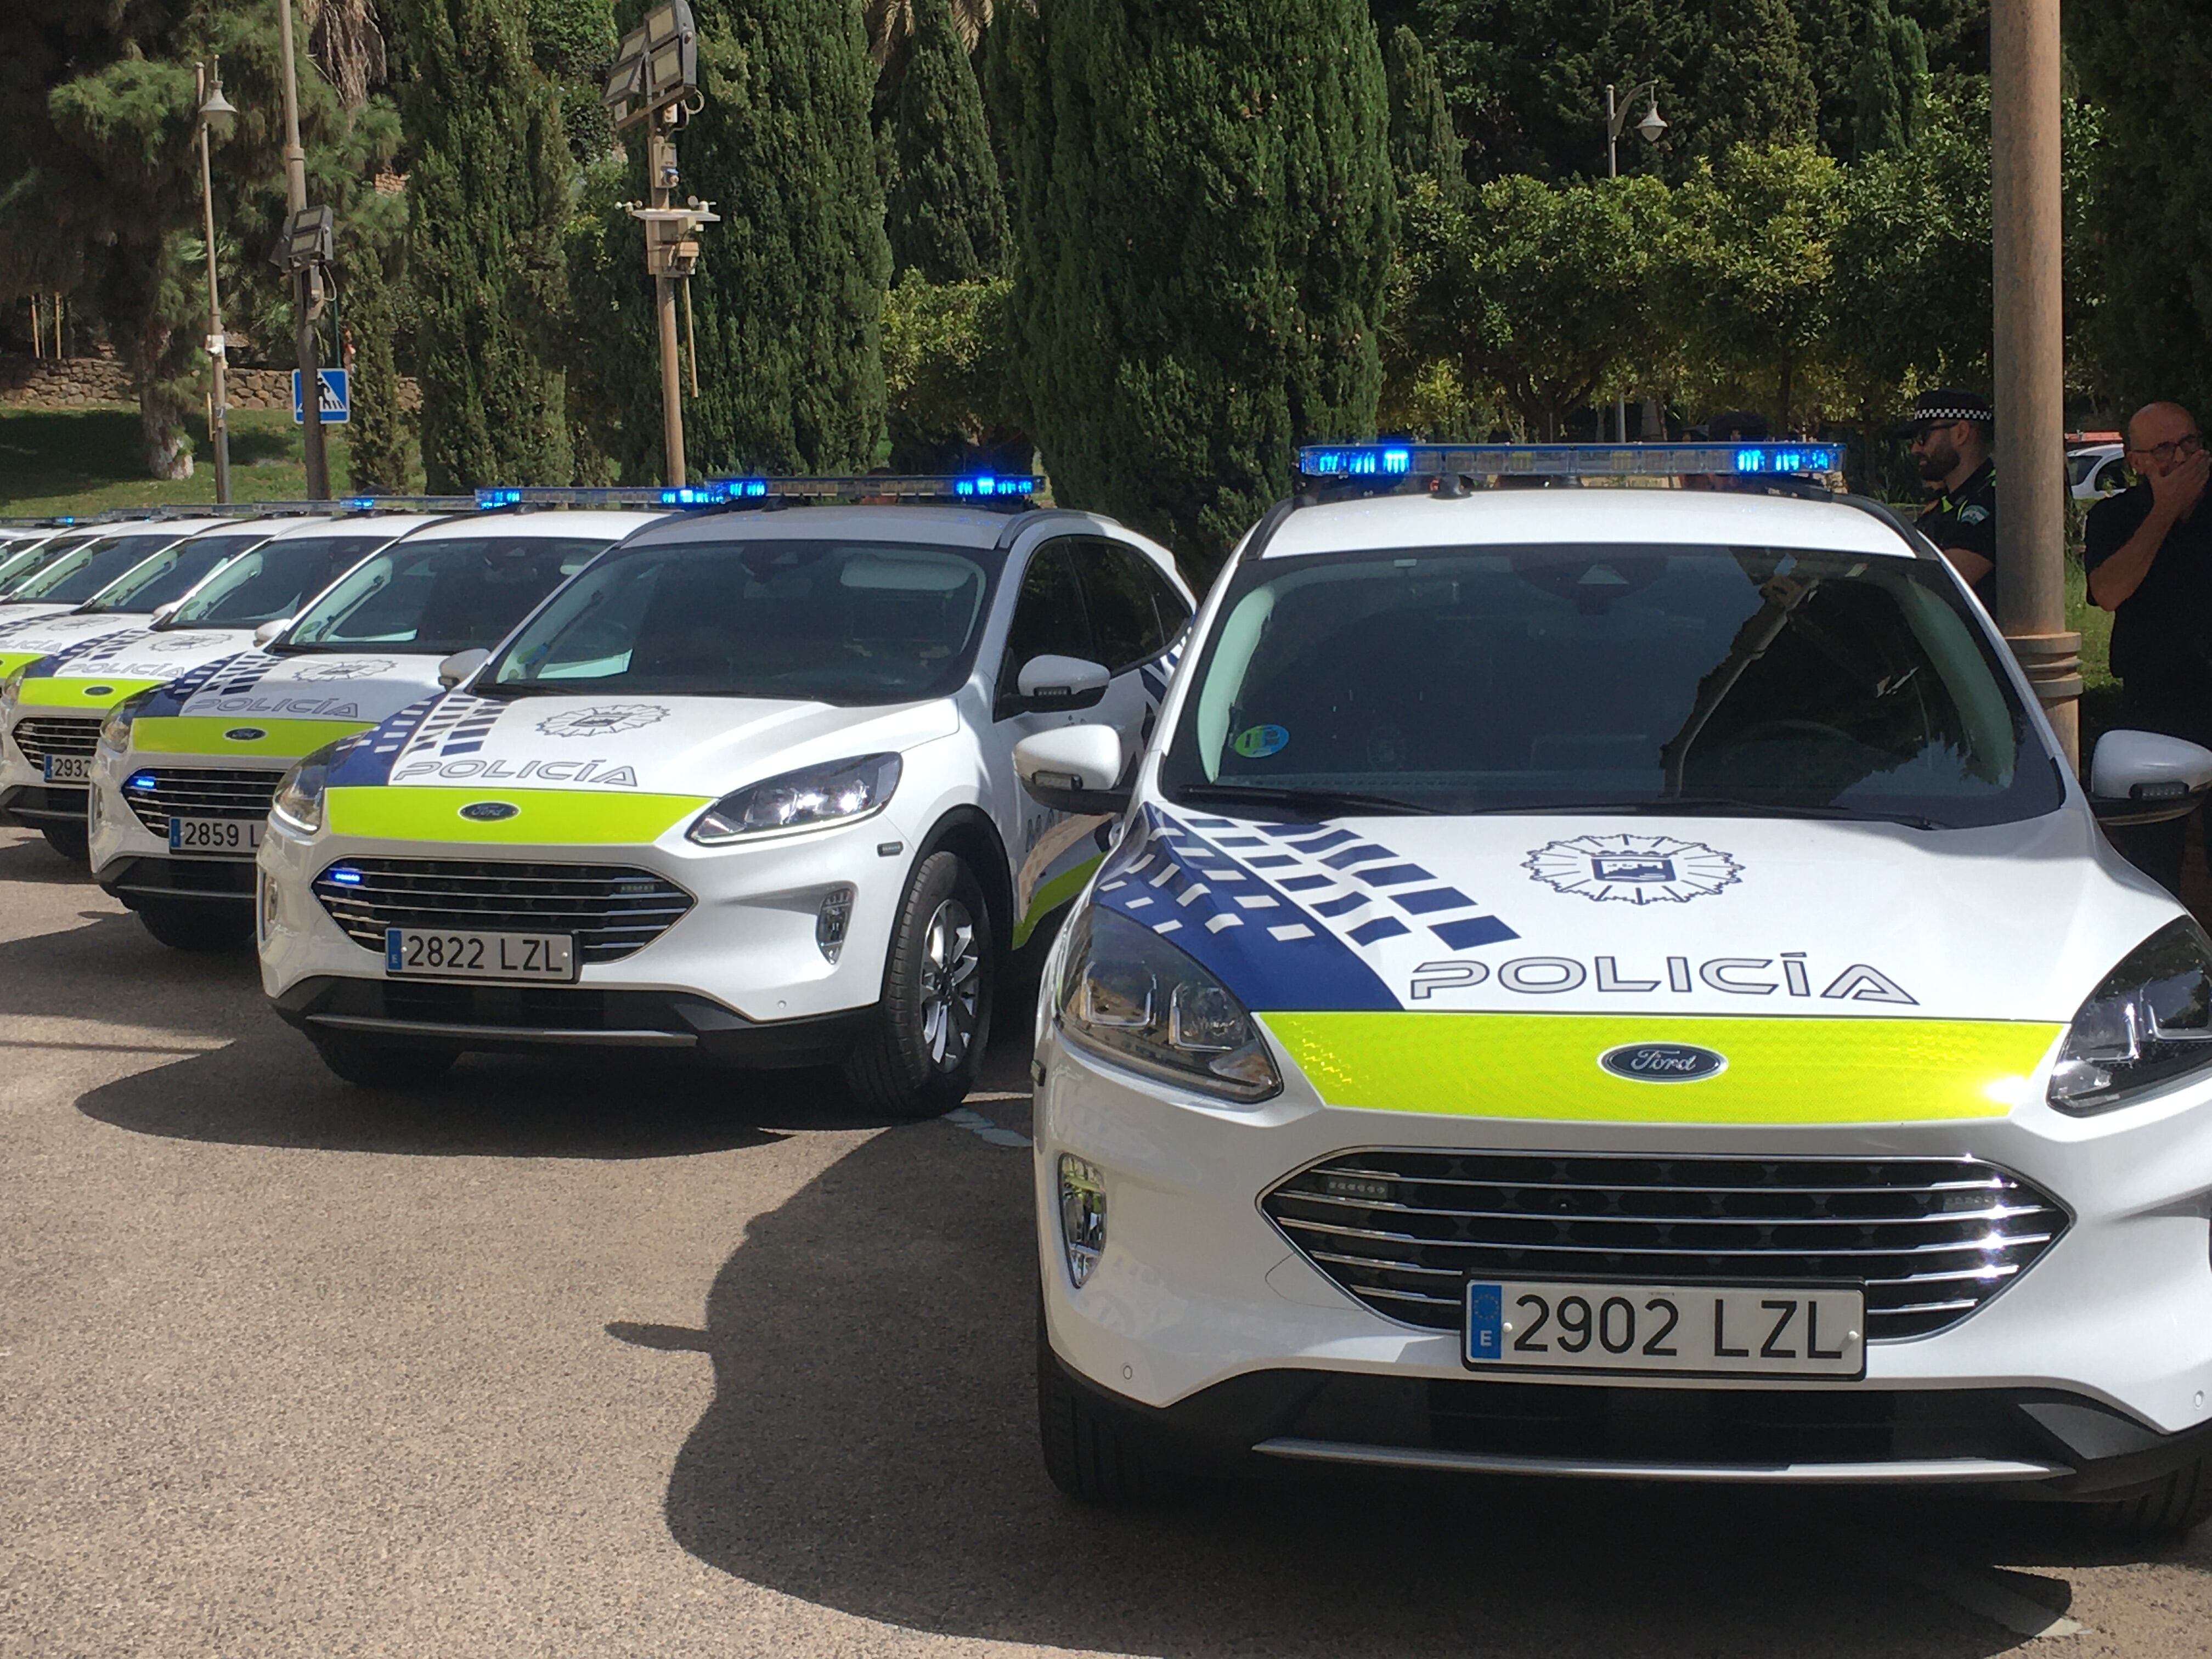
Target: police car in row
pixel 346 627
pixel 743 787
pixel 1619 982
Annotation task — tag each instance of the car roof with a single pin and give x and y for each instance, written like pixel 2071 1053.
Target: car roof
pixel 947 527
pixel 1698 517
pixel 572 522
pixel 360 524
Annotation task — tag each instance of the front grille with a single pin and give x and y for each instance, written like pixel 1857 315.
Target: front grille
pixel 609 911
pixel 41 735
pixel 1931 1239
pixel 158 795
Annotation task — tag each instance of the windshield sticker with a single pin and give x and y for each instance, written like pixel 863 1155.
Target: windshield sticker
pixel 1258 741
pixel 602 721
pixel 1633 869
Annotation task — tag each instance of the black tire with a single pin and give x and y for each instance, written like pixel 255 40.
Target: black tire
pixel 71 841
pixel 914 1063
pixel 1090 1456
pixel 373 1063
pixel 188 926
pixel 2165 1510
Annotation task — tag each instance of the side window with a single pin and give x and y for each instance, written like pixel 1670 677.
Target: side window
pixel 1167 605
pixel 1048 616
pixel 1123 614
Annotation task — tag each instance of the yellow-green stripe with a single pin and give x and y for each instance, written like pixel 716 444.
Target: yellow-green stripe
pixel 546 817
pixel 12 660
pixel 200 734
pixel 1780 1071
pixel 1052 895
pixel 74 691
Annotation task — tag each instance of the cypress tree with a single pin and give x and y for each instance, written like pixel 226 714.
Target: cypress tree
pixel 488 198
pixel 1889 89
pixel 1750 84
pixel 1423 143
pixel 789 294
pixel 946 216
pixel 1204 221
pixel 379 450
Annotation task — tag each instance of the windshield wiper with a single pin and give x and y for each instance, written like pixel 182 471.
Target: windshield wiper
pixel 1298 799
pixel 1694 805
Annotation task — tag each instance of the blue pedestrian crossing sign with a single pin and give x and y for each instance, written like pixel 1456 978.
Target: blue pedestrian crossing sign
pixel 337 397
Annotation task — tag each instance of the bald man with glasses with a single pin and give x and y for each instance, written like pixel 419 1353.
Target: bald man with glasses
pixel 2148 550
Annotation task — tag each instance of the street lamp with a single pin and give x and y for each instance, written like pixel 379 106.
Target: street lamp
pixel 1653 126
pixel 213 119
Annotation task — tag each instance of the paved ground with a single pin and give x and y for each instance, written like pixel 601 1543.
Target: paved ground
pixel 625 1362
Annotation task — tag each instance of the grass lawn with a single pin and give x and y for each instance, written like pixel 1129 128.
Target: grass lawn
pixel 87 461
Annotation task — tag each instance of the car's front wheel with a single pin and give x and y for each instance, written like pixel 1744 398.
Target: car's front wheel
pixel 374 1063
pixel 2166 1509
pixel 1089 1454
pixel 185 927
pixel 70 840
pixel 922 1056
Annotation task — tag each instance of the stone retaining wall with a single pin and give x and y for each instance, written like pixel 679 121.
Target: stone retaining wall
pixel 54 383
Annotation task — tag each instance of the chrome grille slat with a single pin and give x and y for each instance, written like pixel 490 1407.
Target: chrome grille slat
pixel 40 735
pixel 157 793
pixel 1415 1217
pixel 611 911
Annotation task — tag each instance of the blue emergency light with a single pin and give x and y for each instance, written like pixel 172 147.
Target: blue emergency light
pixel 869 486
pixel 1387 460
pixel 140 781
pixel 345 877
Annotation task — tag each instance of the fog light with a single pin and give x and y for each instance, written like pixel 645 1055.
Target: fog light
pixel 1082 1216
pixel 829 924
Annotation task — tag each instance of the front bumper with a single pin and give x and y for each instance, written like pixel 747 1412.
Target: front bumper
pixel 741 962
pixel 26 796
pixel 1201 1319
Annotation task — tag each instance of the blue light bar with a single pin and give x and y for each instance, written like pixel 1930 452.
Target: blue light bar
pixel 1360 461
pixel 345 877
pixel 861 487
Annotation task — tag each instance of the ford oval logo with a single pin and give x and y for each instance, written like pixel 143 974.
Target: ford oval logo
pixel 489 811
pixel 1662 1062
pixel 98 690
pixel 245 734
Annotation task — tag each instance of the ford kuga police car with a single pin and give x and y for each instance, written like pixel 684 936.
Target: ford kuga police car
pixel 183 774
pixel 93 566
pixel 744 789
pixel 1622 982
pixel 59 675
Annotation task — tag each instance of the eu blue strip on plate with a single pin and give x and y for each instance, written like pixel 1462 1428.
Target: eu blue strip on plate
pixel 1485 1327
pixel 393 961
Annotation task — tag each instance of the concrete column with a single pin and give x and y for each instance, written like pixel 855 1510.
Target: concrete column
pixel 2031 356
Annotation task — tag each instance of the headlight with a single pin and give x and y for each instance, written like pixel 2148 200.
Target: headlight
pixel 115 729
pixel 833 793
pixel 2148 1023
pixel 9 688
pixel 299 803
pixel 1131 996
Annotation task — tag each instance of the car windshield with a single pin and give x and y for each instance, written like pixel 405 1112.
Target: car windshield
pixel 1605 678
pixel 456 593
pixel 849 623
pixel 19 564
pixel 173 572
pixel 86 568
pixel 2081 463
pixel 274 580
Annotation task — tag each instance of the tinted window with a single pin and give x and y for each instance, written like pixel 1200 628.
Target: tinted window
pixel 457 593
pixel 1124 621
pixel 274 580
pixel 852 623
pixel 1613 678
pixel 175 572
pixel 33 557
pixel 1049 617
pixel 86 568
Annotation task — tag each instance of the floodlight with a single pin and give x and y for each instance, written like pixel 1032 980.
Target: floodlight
pixel 657 65
pixel 308 240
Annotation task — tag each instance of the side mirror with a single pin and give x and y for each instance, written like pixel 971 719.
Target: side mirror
pixel 267 632
pixel 1073 769
pixel 2143 777
pixel 162 613
pixel 462 664
pixel 1047 684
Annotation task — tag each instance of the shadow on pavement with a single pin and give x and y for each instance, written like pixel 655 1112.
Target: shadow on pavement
pixel 28 858
pixel 870 1447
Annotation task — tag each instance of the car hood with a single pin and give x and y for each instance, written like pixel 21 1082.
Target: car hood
pixel 254 702
pixel 98 673
pixel 43 635
pixel 698 748
pixel 1963 954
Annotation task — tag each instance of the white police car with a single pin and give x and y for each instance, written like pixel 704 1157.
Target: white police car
pixel 60 674
pixel 1621 982
pixel 185 775
pixel 744 789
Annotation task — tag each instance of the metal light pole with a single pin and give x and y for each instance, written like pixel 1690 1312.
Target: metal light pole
pixel 1652 126
pixel 305 281
pixel 2030 357
pixel 214 112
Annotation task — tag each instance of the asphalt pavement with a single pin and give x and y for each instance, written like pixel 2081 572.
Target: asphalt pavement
pixel 609 1359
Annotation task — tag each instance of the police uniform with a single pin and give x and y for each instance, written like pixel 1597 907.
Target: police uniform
pixel 1964 517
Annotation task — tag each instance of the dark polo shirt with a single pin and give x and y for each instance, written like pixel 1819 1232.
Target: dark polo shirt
pixel 2162 632
pixel 1966 519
